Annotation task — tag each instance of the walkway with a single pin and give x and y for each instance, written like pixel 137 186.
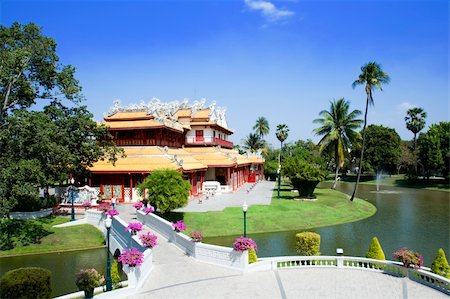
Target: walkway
pixel 176 275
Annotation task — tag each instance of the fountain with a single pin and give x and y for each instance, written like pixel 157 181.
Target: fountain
pixel 378 179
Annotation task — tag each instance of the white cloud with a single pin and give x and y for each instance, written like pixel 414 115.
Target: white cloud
pixel 268 10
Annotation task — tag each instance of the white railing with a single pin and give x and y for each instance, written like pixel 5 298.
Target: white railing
pixel 213 254
pixel 349 262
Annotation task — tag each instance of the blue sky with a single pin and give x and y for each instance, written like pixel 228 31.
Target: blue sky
pixel 284 60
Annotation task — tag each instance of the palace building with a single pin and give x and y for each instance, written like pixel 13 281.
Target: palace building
pixel 192 139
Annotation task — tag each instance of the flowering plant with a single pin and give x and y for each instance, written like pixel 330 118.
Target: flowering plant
pixel 149 240
pixel 408 257
pixel 131 257
pixel 104 206
pixel 179 226
pixel 243 243
pixel 196 236
pixel 149 210
pixel 138 205
pixel 87 204
pixel 88 279
pixel 134 227
pixel 112 213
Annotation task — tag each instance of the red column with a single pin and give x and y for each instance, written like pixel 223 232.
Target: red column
pixel 131 187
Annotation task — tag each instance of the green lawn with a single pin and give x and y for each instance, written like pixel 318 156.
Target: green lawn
pixel 50 238
pixel 330 208
pixel 400 181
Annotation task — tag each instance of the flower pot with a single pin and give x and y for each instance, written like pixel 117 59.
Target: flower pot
pixel 89 293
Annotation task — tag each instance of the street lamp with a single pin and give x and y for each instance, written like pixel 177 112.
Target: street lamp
pixel 72 181
pixel 279 180
pixel 244 208
pixel 108 222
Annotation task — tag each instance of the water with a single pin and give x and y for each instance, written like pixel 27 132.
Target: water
pixel 417 219
pixel 64 266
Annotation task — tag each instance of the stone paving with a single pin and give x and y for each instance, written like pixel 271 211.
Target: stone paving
pixel 176 275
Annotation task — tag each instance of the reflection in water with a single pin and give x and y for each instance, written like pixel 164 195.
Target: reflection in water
pixel 417 219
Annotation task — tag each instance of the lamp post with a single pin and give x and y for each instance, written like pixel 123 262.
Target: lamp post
pixel 108 222
pixel 244 208
pixel 279 180
pixel 72 181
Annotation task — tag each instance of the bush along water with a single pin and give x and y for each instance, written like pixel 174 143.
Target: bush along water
pixel 29 282
pixel 440 265
pixel 307 243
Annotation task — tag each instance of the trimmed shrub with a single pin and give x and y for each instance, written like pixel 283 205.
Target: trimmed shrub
pixel 440 264
pixel 30 282
pixel 115 276
pixel 307 243
pixel 375 251
pixel 252 257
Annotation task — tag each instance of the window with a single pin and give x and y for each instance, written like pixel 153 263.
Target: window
pixel 198 135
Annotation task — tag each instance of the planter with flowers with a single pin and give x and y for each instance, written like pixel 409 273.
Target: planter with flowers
pixel 149 210
pixel 149 240
pixel 112 213
pixel 138 205
pixel 246 244
pixel 196 236
pixel 408 257
pixel 134 227
pixel 87 280
pixel 179 226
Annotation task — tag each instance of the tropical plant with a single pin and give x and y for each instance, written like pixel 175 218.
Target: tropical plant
pixel 131 257
pixel 440 264
pixel 166 190
pixel 415 121
pixel 408 257
pixel 338 127
pixel 88 279
pixel 372 76
pixel 282 134
pixel 261 127
pixel 307 243
pixel 253 143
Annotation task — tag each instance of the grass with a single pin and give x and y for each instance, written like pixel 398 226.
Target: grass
pixel 331 208
pixel 50 238
pixel 400 181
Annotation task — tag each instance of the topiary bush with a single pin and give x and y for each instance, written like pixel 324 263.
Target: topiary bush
pixel 307 243
pixel 115 276
pixel 24 283
pixel 440 264
pixel 375 251
pixel 252 257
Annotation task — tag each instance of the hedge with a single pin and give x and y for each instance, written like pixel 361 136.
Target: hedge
pixel 307 243
pixel 25 283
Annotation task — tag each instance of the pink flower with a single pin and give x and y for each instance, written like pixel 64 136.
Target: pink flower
pixel 87 204
pixel 243 243
pixel 149 240
pixel 149 210
pixel 196 236
pixel 131 257
pixel 138 205
pixel 112 213
pixel 179 226
pixel 134 227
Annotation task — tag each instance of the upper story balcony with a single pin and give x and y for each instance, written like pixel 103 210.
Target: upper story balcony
pixel 205 140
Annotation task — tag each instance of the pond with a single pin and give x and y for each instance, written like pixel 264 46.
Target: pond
pixel 406 217
pixel 63 265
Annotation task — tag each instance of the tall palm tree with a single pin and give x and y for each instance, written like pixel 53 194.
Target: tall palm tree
pixel 338 129
pixel 372 76
pixel 282 134
pixel 415 121
pixel 253 142
pixel 261 127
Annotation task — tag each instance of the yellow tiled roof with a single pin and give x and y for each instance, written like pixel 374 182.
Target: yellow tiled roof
pixel 204 113
pixel 147 123
pixel 183 113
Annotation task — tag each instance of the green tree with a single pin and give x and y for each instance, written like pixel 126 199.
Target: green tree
pixel 383 148
pixel 430 154
pixel 30 69
pixel 261 127
pixel 166 189
pixel 253 143
pixel 375 251
pixel 440 264
pixel 372 76
pixel 282 134
pixel 338 127
pixel 415 121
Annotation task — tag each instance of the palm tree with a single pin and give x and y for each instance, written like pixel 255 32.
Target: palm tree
pixel 282 134
pixel 338 129
pixel 415 121
pixel 373 77
pixel 261 127
pixel 253 142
